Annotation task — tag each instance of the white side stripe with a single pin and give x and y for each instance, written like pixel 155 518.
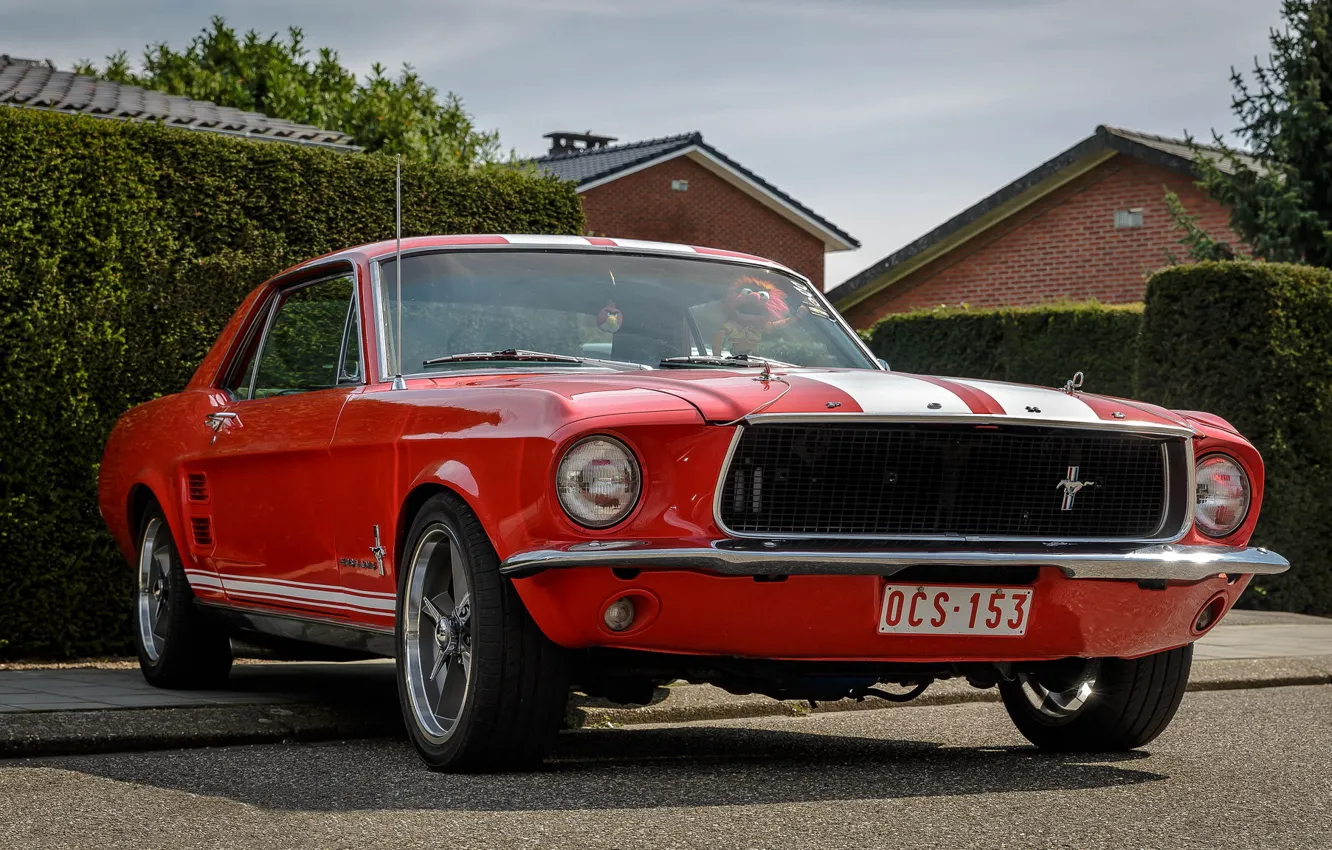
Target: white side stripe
pixel 303 585
pixel 320 595
pixel 333 606
pixel 231 585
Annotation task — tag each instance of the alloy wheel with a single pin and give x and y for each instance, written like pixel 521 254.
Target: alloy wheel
pixel 156 555
pixel 1059 694
pixel 437 633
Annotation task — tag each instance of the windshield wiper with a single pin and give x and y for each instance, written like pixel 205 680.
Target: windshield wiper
pixel 721 360
pixel 506 354
pixel 524 356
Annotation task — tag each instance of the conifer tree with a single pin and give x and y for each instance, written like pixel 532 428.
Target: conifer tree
pixel 1279 188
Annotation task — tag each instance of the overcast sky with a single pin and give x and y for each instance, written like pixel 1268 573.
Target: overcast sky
pixel 887 117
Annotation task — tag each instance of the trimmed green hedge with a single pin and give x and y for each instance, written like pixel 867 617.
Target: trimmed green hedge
pixel 1030 345
pixel 1253 342
pixel 123 249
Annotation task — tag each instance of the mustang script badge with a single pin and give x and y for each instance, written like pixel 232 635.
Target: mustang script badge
pixel 1071 487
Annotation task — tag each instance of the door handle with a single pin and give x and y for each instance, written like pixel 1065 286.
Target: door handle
pixel 221 418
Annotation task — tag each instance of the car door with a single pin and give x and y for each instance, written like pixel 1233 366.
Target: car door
pixel 267 470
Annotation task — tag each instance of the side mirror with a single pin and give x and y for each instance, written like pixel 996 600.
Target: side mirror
pixel 884 364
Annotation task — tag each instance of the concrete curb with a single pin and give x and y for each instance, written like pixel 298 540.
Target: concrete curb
pixel 48 733
pixel 126 730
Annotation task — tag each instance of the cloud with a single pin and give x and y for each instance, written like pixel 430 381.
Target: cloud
pixel 886 116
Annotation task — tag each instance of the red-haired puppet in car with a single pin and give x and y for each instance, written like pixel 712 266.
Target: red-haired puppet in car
pixel 753 308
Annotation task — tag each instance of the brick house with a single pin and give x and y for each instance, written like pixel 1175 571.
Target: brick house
pixel 1090 223
pixel 681 189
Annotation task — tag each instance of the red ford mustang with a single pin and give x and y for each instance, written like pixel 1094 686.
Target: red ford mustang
pixel 521 464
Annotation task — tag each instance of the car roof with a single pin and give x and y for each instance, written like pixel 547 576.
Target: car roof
pixel 386 248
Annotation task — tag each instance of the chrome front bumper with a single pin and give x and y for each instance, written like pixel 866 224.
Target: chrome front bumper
pixel 1168 562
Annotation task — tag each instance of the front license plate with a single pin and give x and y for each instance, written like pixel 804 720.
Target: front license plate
pixel 938 610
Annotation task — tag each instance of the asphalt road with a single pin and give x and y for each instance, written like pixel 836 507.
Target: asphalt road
pixel 1237 769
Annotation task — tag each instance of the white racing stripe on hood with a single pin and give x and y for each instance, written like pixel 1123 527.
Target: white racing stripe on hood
pixel 1052 404
pixel 885 393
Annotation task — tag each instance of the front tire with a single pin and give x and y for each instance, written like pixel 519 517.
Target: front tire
pixel 178 646
pixel 481 687
pixel 1097 705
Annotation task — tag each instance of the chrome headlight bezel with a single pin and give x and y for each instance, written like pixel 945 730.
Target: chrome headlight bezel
pixel 1200 522
pixel 573 497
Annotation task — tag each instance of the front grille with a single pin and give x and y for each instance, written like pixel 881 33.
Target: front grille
pixel 927 481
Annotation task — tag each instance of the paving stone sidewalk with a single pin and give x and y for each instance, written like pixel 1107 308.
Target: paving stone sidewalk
pixel 1243 634
pixel 1266 634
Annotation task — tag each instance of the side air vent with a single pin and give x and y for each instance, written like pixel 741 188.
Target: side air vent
pixel 196 484
pixel 202 529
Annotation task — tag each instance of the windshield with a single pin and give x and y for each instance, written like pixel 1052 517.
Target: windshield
pixel 602 308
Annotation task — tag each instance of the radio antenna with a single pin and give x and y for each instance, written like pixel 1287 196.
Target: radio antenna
pixel 398 382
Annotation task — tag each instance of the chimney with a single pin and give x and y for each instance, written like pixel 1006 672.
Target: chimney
pixel 563 142
pixel 6 59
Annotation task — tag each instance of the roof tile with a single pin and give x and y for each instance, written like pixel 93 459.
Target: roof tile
pixel 1161 150
pixel 585 166
pixel 38 85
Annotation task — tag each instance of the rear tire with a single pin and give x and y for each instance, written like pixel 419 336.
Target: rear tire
pixel 481 687
pixel 1123 705
pixel 178 645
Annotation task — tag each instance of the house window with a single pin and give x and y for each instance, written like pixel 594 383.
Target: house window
pixel 1128 218
pixel 679 185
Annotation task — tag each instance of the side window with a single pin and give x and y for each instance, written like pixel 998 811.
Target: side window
pixel 303 349
pixel 237 381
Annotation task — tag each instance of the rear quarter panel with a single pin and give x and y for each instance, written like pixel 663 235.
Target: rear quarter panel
pixel 145 449
pixel 148 441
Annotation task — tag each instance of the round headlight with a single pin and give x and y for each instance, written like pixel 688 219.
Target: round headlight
pixel 598 481
pixel 1223 496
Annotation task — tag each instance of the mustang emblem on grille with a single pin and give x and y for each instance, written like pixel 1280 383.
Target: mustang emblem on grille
pixel 1071 487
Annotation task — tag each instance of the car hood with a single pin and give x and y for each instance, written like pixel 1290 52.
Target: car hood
pixel 726 396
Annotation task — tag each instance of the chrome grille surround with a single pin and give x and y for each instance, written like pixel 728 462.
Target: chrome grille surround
pixel 1177 485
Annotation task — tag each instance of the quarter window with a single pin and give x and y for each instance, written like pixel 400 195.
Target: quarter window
pixel 312 343
pixel 351 346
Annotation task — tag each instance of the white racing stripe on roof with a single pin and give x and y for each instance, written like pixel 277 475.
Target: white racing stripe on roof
pixel 642 245
pixel 1052 404
pixel 539 239
pixel 886 393
pixel 533 240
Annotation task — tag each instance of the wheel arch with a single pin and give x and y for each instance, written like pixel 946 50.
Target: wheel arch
pixel 152 489
pixel 415 499
pixel 140 500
